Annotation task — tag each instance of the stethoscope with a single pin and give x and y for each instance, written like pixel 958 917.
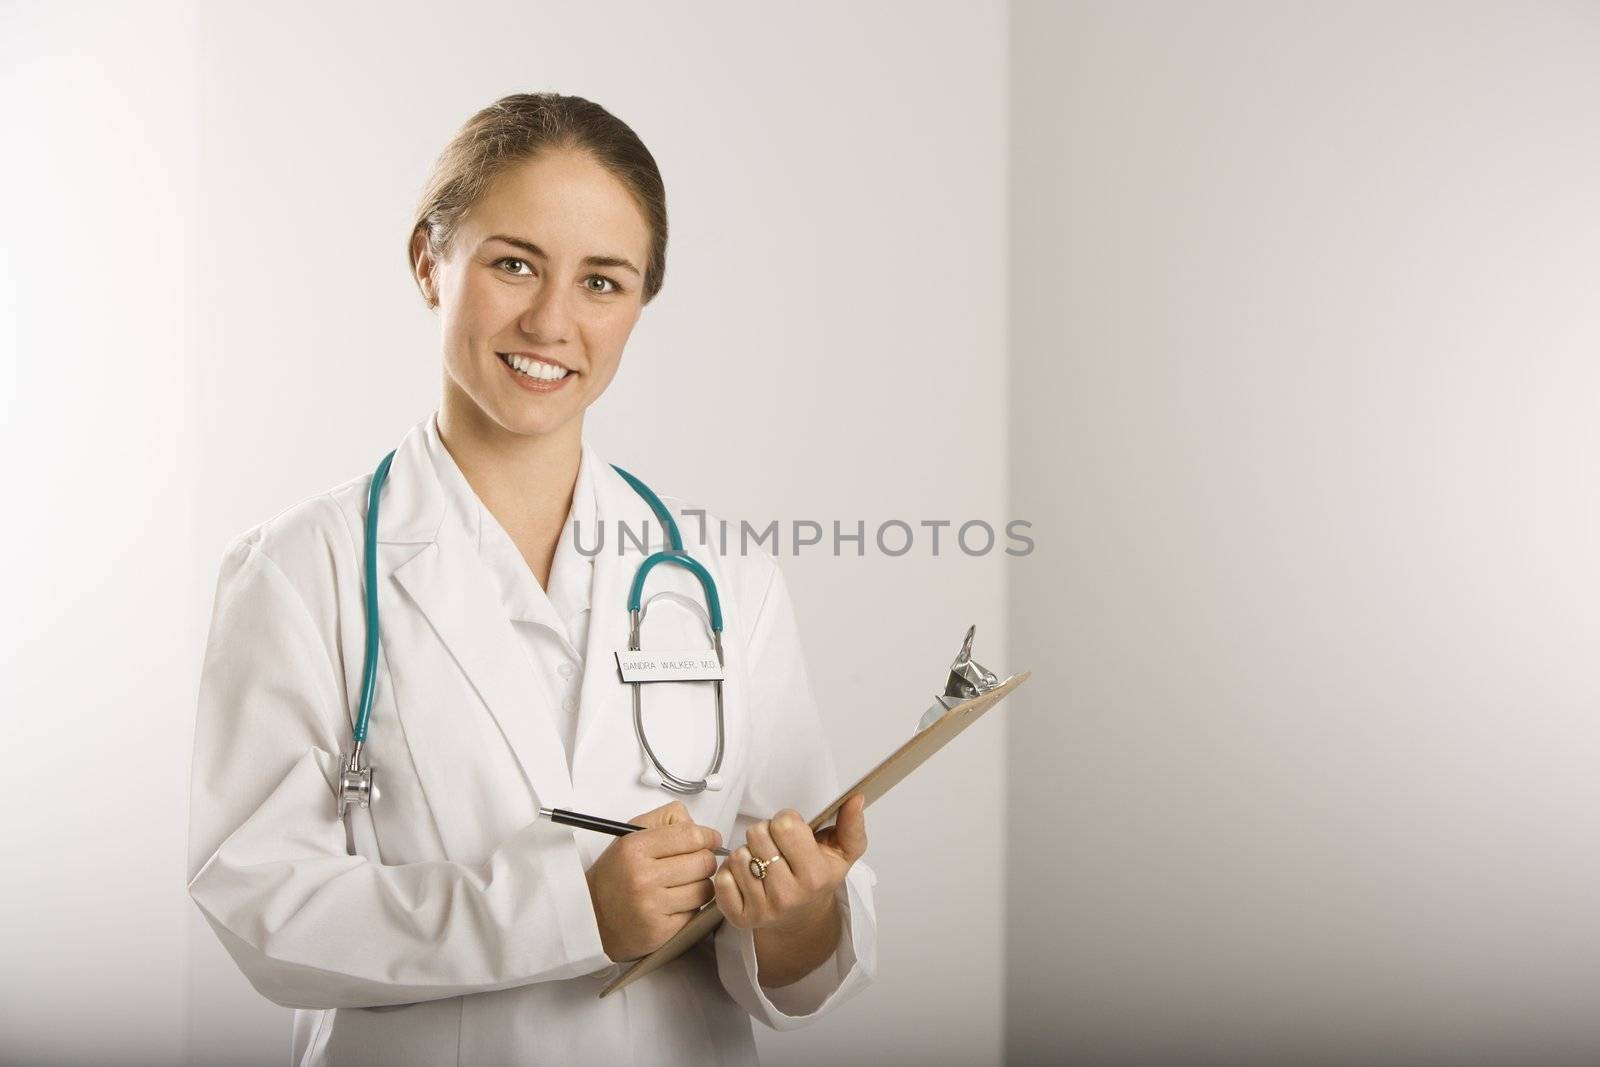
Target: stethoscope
pixel 356 785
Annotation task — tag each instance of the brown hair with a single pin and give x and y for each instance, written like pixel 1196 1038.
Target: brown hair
pixel 516 128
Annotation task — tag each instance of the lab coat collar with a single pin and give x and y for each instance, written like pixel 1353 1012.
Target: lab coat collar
pixel 566 593
pixel 413 502
pixel 457 595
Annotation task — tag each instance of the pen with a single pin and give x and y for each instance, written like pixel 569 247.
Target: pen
pixel 595 822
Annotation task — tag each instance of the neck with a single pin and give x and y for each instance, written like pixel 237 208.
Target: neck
pixel 525 480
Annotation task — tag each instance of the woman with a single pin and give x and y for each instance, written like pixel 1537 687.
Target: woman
pixel 447 922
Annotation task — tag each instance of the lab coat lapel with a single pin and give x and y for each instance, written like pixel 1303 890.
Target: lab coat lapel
pixel 465 610
pixel 456 596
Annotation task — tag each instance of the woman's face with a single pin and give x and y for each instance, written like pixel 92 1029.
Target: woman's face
pixel 548 266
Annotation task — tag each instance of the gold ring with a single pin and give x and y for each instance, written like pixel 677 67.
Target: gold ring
pixel 759 867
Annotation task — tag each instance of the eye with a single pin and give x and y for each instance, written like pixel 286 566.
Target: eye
pixel 514 259
pixel 615 288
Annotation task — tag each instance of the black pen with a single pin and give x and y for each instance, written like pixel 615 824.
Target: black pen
pixel 595 822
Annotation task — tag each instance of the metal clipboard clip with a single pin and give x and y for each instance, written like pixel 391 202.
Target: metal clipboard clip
pixel 968 678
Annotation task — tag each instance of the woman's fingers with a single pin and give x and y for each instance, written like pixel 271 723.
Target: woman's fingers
pixel 782 889
pixel 811 868
pixel 673 811
pixel 686 868
pixel 848 835
pixel 687 898
pixel 809 864
pixel 751 890
pixel 730 897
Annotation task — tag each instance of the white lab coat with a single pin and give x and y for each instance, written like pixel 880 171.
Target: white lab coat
pixel 448 924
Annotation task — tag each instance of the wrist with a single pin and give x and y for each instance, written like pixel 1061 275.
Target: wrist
pixel 792 949
pixel 594 906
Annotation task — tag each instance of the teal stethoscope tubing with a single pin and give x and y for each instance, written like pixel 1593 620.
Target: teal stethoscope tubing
pixel 369 670
pixel 675 556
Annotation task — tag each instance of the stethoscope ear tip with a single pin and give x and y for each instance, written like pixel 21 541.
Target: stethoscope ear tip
pixel 651 779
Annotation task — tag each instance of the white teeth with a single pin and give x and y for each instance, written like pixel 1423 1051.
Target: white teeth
pixel 534 368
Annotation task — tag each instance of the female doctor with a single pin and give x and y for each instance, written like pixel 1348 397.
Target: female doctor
pixel 447 922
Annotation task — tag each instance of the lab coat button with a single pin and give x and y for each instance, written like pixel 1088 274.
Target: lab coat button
pixel 565 670
pixel 570 704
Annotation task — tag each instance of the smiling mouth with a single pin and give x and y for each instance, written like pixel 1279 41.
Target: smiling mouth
pixel 536 369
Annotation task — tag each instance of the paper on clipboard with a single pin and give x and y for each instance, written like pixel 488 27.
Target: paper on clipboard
pixel 889 772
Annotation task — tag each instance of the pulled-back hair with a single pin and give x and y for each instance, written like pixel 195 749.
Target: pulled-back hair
pixel 516 128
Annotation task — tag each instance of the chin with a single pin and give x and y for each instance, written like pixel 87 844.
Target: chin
pixel 520 419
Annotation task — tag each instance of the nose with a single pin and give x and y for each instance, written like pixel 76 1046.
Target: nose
pixel 548 315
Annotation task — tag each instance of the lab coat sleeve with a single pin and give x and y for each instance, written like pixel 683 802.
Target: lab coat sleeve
pixel 310 925
pixel 793 769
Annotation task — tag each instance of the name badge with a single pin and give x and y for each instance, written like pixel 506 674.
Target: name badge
pixel 697 665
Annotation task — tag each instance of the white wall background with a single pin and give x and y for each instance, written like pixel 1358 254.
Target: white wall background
pixel 1304 397
pixel 104 584
pixel 217 228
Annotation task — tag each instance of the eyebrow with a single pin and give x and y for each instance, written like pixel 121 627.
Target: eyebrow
pixel 593 261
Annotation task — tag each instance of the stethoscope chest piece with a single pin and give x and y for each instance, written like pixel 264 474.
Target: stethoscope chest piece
pixel 355 787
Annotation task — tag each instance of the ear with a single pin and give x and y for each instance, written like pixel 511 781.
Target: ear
pixel 424 266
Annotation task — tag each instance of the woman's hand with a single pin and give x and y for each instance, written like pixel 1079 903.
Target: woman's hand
pixel 646 885
pixel 798 889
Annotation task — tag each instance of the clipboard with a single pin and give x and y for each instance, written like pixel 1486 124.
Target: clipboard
pixel 890 771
